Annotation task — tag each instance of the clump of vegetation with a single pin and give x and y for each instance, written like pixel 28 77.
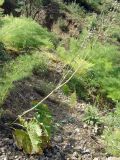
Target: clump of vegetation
pixel 104 75
pixel 93 5
pixel 18 69
pixel 72 55
pixel 76 10
pixel 63 26
pixel 28 34
pixel 99 68
pixel 35 135
pixel 111 135
pixel 73 101
pixel 92 116
pixel 43 115
pixel 112 141
pixel 66 90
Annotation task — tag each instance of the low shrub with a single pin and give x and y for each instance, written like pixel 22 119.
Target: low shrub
pixel 111 134
pixel 92 116
pixel 68 55
pixel 28 34
pixel 63 25
pixel 18 69
pixel 99 72
pixel 76 10
pixel 105 72
pixel 112 142
pixel 92 5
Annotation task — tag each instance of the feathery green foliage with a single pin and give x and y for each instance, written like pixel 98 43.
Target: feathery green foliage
pixel 100 70
pixel 111 135
pixel 28 34
pixel 105 72
pixel 18 69
pixel 112 141
pixel 68 55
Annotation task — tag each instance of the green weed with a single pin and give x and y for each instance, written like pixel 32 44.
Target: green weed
pixel 92 116
pixel 44 116
pixel 111 134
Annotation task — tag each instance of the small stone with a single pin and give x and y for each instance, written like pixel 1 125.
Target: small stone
pixel 69 133
pixel 2 150
pixel 77 130
pixel 58 139
pixel 47 153
pixel 16 157
pixel 31 158
pixel 96 158
pixel 3 157
pixel 6 158
pixel 55 149
pixel 67 147
pixel 85 151
pixel 11 141
pixel 1 143
pixel 58 154
pixel 85 126
pixel 76 155
pixel 42 158
pixel 6 139
pixel 9 153
pixel 11 157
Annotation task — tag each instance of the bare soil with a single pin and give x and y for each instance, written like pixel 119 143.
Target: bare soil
pixel 71 139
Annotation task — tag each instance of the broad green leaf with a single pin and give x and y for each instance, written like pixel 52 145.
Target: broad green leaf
pixel 33 139
pixel 44 116
pixel 22 140
pixel 35 134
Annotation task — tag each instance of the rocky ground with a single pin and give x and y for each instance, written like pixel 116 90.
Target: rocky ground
pixel 72 139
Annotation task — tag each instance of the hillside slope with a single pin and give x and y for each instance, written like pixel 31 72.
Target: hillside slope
pixel 76 47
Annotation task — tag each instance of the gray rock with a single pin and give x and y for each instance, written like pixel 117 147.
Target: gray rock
pixel 58 139
pixel 42 158
pixel 2 149
pixel 55 149
pixel 67 147
pixel 3 157
pixel 11 141
pixel 47 153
